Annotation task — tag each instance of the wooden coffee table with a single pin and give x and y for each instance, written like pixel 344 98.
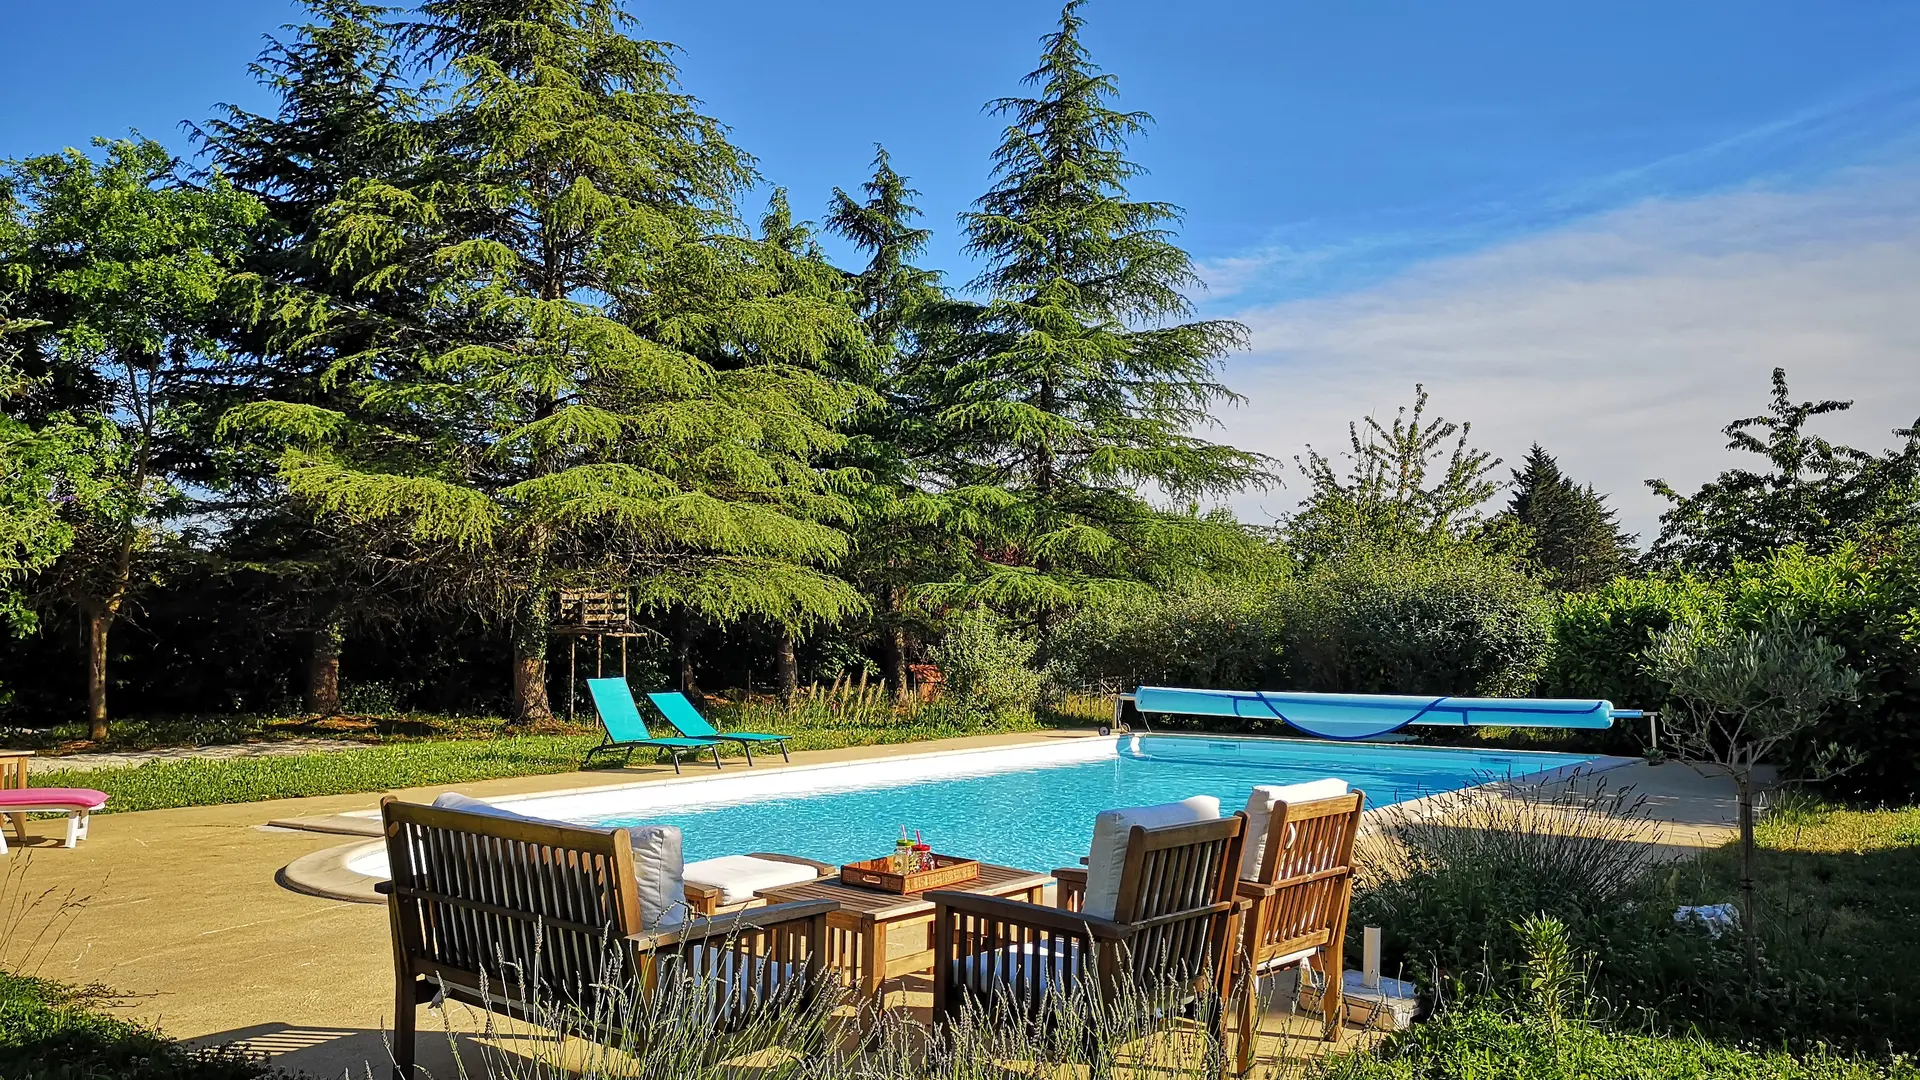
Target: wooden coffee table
pixel 877 936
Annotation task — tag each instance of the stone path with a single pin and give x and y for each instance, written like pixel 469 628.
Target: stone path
pixel 277 748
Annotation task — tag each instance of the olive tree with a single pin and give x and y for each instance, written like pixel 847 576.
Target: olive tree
pixel 1737 696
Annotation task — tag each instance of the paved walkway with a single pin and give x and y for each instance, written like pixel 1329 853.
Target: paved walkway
pixel 277 748
pixel 181 912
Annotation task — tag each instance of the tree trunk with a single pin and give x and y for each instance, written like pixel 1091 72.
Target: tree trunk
pixel 323 669
pixel 99 621
pixel 530 705
pixel 786 670
pixel 1749 918
pixel 896 659
pixel 683 656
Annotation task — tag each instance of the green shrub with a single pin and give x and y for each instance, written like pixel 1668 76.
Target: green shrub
pixel 987 667
pixel 1458 619
pixel 53 1032
pixel 1223 635
pixel 1864 598
pixel 1447 888
pixel 1476 1042
pixel 1867 601
pixel 1599 636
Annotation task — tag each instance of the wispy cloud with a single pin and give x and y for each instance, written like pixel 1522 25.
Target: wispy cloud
pixel 1871 125
pixel 1622 343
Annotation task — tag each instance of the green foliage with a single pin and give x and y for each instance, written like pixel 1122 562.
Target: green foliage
pixel 54 1032
pixel 1514 1044
pixel 1599 636
pixel 600 379
pixel 1076 384
pixel 1458 619
pixel 1833 917
pixel 986 666
pixel 1446 889
pixel 1865 599
pixel 1214 635
pixel 1392 495
pixel 1573 536
pixel 1814 493
pixel 124 270
pixel 1742 693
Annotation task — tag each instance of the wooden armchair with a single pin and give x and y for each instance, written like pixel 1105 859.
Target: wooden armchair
pixel 1174 922
pixel 1300 895
pixel 511 915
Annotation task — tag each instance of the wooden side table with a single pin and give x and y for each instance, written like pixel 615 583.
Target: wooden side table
pixel 13 774
pixel 877 936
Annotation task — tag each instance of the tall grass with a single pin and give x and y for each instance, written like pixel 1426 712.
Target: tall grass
pixel 1446 878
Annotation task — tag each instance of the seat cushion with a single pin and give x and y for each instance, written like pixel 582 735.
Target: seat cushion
pixel 656 859
pixel 1260 806
pixel 738 877
pixel 1107 857
pixel 78 798
pixel 1016 969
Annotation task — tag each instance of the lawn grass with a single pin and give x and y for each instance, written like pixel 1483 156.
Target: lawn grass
pixel 49 1031
pixel 1838 895
pixel 1480 1042
pixel 488 751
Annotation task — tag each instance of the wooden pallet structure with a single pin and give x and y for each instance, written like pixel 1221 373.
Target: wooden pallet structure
pixel 599 614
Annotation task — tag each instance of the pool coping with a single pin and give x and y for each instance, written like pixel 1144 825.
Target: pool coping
pixel 325 873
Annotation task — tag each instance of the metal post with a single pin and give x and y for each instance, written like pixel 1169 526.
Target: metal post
pixel 573 671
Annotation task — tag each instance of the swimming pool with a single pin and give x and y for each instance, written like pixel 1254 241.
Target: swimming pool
pixel 1030 807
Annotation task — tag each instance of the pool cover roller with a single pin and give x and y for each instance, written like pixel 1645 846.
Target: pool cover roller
pixel 1366 716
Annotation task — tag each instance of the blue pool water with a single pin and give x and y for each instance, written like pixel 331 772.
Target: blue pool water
pixel 1041 817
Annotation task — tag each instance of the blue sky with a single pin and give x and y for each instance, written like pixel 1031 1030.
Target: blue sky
pixel 1355 175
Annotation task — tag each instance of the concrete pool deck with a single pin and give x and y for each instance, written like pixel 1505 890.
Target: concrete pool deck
pixel 180 912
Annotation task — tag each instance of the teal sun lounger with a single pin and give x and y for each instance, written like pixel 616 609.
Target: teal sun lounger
pixel 687 720
pixel 620 715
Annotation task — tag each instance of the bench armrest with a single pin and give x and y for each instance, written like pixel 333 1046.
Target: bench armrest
pixel 1038 916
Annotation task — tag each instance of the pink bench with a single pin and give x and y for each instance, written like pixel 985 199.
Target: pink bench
pixel 76 803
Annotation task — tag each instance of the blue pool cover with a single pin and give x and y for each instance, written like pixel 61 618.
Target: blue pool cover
pixel 1366 716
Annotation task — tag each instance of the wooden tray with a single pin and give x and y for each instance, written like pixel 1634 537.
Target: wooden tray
pixel 876 874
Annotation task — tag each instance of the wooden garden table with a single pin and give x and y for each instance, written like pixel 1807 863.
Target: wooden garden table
pixel 13 774
pixel 877 936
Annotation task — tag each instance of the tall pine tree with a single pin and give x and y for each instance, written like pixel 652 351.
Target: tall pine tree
pixel 346 114
pixel 608 382
pixel 905 533
pixel 1079 385
pixel 1576 538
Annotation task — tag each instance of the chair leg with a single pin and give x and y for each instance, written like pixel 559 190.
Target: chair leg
pixel 1249 1009
pixel 675 755
pixel 405 1001
pixel 1334 999
pixel 747 745
pixel 783 752
pixel 73 830
pixel 716 754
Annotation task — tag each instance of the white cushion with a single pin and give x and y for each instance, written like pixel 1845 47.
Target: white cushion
pixel 657 870
pixel 453 800
pixel 656 860
pixel 738 877
pixel 1107 858
pixel 1260 806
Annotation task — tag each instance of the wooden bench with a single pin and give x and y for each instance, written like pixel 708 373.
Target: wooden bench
pixel 525 917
